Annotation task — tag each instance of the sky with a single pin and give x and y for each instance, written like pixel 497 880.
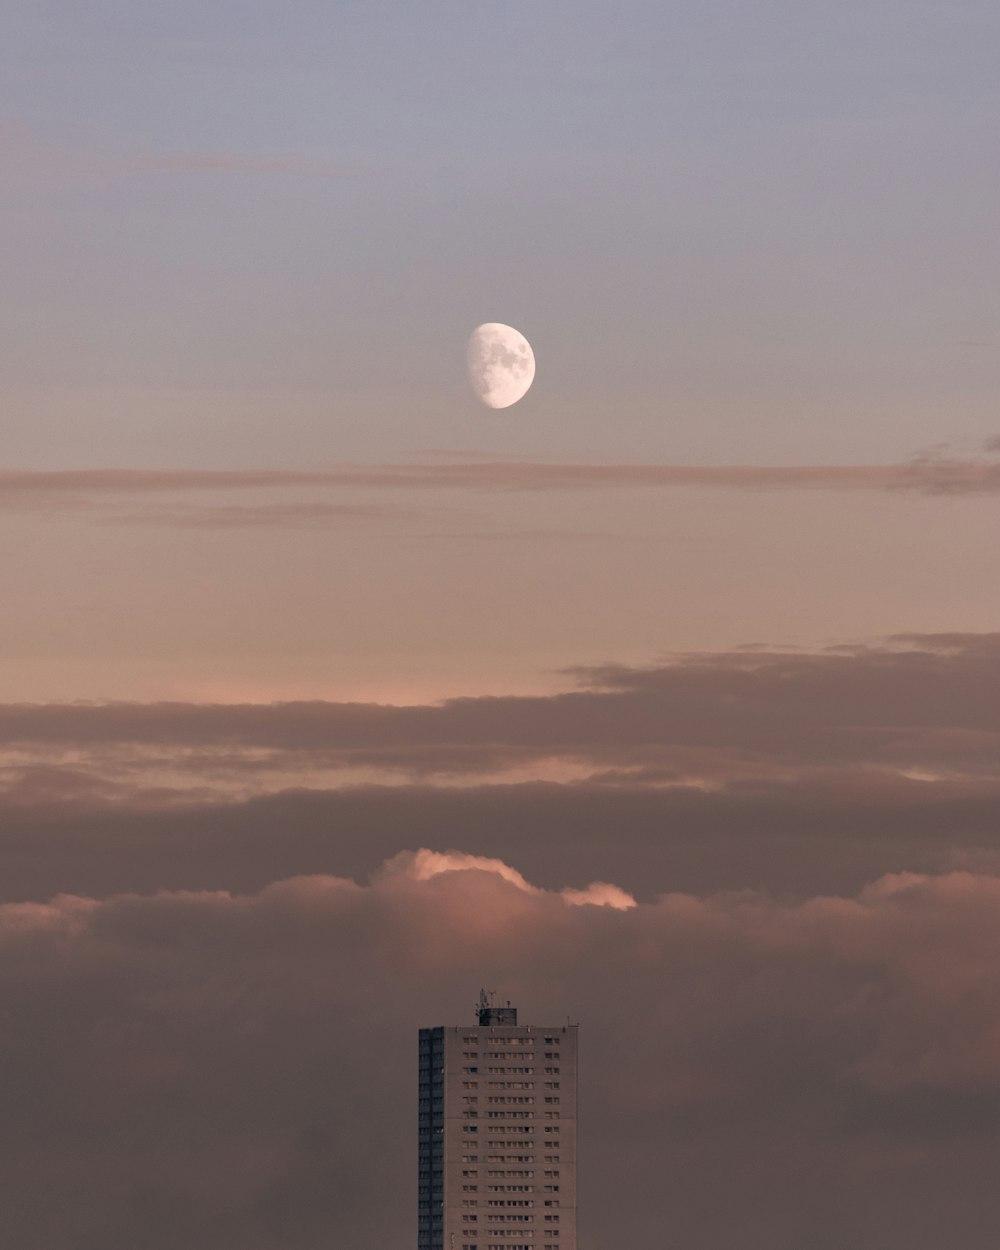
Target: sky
pixel 327 693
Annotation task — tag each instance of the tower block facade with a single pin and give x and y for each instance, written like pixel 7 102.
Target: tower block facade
pixel 497 1134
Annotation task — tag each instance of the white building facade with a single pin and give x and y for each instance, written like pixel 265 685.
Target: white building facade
pixel 497 1134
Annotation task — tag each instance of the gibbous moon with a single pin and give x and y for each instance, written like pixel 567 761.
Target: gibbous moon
pixel 501 364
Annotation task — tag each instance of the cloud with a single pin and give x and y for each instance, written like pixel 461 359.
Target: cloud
pixel 600 894
pixel 87 489
pixel 791 838
pixel 428 864
pixel 235 1071
pixel 794 772
pixel 913 704
pixel 303 515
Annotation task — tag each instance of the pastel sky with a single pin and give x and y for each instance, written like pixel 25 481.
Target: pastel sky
pixel 328 694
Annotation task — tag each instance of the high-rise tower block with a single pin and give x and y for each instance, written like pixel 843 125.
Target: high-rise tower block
pixel 497 1134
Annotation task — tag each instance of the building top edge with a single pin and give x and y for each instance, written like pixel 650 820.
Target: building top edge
pixel 498 1028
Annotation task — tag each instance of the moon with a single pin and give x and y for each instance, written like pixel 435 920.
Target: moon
pixel 501 364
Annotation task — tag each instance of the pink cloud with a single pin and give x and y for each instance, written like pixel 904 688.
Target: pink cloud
pixel 600 894
pixel 255 1052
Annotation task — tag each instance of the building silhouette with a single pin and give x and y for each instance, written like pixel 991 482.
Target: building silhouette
pixel 497 1134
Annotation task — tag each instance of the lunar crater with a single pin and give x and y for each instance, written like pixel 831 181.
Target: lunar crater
pixel 501 364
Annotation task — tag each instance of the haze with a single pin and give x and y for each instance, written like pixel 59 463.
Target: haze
pixel 666 698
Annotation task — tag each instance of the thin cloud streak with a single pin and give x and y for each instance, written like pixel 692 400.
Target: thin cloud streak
pixel 928 476
pixel 305 515
pixel 926 710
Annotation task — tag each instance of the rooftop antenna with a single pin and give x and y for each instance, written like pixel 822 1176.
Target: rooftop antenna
pixel 489 1014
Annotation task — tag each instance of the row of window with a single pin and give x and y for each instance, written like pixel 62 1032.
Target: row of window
pixel 514 1128
pixel 497 1218
pixel 509 1202
pixel 508 1084
pixel 510 1218
pixel 473 1056
pixel 519 1158
pixel 491 1039
pixel 438 1100
pixel 472 1173
pixel 526 1052
pixel 498 1100
pixel 517 1115
pixel 508 1070
pixel 499 1054
pixel 504 1245
pixel 506 1189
